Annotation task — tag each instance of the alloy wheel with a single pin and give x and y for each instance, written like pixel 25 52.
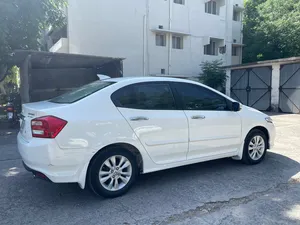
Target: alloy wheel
pixel 115 173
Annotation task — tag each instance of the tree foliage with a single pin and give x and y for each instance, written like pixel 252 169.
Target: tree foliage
pixel 271 29
pixel 213 74
pixel 23 21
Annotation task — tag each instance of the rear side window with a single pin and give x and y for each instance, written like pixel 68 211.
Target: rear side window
pixel 82 92
pixel 195 97
pixel 147 96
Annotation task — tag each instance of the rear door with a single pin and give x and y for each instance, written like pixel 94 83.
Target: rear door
pixel 152 113
pixel 213 128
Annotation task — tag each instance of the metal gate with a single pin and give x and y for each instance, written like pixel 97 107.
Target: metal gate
pixel 289 89
pixel 252 87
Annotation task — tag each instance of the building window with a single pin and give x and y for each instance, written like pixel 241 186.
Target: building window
pixel 210 49
pixel 236 16
pixel 179 2
pixel 211 7
pixel 160 40
pixel 235 51
pixel 177 42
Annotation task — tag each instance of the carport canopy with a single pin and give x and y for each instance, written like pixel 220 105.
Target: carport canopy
pixel 40 59
pixel 45 75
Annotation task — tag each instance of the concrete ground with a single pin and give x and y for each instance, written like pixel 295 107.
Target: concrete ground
pixel 216 192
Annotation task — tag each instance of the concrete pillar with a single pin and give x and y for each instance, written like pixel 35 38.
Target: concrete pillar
pixel 228 81
pixel 24 77
pixel 228 32
pixel 275 86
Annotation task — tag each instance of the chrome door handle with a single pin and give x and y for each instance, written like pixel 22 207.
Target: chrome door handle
pixel 138 118
pixel 198 117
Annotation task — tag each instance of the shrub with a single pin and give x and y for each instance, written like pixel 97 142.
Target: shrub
pixel 213 75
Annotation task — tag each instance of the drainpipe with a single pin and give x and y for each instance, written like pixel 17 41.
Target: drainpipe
pixel 226 31
pixel 144 45
pixel 241 39
pixel 170 36
pixel 146 24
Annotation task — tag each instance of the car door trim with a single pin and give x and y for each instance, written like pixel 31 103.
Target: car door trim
pixel 214 138
pixel 157 143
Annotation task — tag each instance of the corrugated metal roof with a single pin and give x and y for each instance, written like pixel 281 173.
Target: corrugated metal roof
pixel 40 59
pixel 265 63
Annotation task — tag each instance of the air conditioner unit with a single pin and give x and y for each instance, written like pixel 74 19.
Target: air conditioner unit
pixel 160 27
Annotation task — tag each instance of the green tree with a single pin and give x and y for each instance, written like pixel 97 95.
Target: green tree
pixel 22 23
pixel 271 29
pixel 252 38
pixel 213 75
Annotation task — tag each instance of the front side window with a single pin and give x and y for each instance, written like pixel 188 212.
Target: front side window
pixel 211 7
pixel 235 51
pixel 210 49
pixel 194 97
pixel 82 92
pixel 177 42
pixel 146 96
pixel 160 40
pixel 236 16
pixel 179 2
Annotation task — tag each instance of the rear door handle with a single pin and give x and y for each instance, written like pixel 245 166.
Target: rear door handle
pixel 139 118
pixel 198 117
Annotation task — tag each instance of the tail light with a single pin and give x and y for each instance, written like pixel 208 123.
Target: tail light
pixel 47 126
pixel 10 109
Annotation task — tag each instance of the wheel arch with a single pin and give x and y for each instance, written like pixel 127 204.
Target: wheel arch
pixel 128 147
pixel 83 176
pixel 265 131
pixel 239 156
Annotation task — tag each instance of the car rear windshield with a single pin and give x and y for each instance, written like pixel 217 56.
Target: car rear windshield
pixel 82 92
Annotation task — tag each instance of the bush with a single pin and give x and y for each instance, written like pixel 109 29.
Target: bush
pixel 213 75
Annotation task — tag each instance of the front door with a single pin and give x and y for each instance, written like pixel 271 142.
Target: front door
pixel 213 128
pixel 150 109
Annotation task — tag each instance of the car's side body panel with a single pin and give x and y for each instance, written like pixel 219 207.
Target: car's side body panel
pixel 95 122
pixel 217 133
pixel 163 133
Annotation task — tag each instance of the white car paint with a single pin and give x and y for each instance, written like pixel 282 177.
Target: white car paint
pixel 166 139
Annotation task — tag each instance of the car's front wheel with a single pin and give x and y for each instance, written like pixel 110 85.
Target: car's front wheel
pixel 255 147
pixel 112 172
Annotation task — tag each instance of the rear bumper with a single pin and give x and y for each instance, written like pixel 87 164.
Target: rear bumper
pixel 36 173
pixel 45 157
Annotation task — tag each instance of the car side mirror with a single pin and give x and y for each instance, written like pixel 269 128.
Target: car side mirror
pixel 236 106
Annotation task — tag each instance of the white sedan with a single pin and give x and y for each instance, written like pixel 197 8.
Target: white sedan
pixel 104 134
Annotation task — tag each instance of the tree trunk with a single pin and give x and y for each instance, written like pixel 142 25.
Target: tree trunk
pixel 3 71
pixel 2 89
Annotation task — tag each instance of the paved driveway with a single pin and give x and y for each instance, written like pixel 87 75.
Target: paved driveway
pixel 216 192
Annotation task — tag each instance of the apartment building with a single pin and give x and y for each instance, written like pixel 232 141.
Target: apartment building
pixel 156 37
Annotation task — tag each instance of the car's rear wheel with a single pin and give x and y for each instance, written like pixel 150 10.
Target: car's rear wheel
pixel 255 147
pixel 112 172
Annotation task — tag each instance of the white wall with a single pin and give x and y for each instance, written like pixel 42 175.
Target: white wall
pixel 116 28
pixel 110 28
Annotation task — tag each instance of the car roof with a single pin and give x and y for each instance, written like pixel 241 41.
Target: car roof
pixel 147 79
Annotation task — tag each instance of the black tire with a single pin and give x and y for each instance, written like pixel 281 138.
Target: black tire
pixel 246 154
pixel 94 168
